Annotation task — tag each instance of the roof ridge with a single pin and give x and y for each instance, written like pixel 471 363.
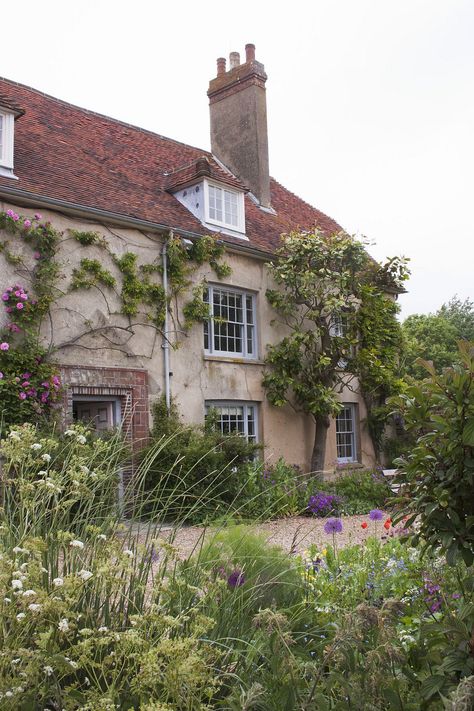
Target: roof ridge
pixel 103 116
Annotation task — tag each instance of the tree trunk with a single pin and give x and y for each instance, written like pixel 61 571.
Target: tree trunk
pixel 319 446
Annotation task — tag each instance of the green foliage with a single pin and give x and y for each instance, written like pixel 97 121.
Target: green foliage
pixel 324 281
pixel 88 238
pixel 377 357
pixel 359 491
pixel 438 473
pixel 197 469
pixel 91 273
pixel 435 336
pixel 29 384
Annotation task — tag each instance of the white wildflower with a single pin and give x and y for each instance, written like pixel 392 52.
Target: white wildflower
pixel 18 549
pixel 73 664
pixel 85 575
pixel 48 670
pixel 7 599
pixel 101 537
pixel 57 582
pixel 80 439
pixel 76 483
pixel 14 435
pixel 63 625
pixel 69 433
pixel 103 629
pixel 16 661
pixel 128 552
pixel 23 567
pixel 94 475
pixel 84 469
pixel 87 681
pixel 36 446
pixel 34 607
pixel 46 458
pixel 17 584
pixel 77 544
pixel 8 694
pixel 20 616
pixel 29 593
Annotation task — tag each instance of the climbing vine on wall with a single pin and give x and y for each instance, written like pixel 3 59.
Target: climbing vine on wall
pixel 29 381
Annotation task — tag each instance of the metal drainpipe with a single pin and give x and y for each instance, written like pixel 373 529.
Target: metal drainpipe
pixel 166 343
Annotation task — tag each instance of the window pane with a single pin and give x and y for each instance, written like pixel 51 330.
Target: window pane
pixel 236 419
pixel 345 434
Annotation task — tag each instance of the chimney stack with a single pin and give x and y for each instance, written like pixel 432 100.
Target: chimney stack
pixel 238 110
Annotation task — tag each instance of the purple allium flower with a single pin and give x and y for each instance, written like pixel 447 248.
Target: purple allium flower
pixel 333 525
pixel 376 515
pixel 322 504
pixel 456 596
pixel 236 578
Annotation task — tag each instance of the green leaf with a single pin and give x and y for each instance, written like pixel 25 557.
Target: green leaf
pixel 432 685
pixel 468 433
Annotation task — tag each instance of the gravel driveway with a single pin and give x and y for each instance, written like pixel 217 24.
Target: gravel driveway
pixel 293 534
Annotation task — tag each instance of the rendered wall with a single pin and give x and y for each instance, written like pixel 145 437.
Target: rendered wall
pixel 88 330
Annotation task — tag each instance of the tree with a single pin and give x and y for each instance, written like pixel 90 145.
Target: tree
pixel 434 337
pixel 438 472
pixel 326 284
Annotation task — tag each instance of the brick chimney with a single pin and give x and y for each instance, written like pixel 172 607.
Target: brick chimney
pixel 238 109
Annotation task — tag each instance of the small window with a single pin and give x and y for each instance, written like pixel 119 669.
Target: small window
pixel 231 329
pixel 346 434
pixel 225 207
pixel 7 122
pixel 236 418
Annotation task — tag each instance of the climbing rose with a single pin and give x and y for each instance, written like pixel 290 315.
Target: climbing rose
pixel 4 346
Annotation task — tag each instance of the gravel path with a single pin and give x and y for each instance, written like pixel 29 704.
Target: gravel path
pixel 294 534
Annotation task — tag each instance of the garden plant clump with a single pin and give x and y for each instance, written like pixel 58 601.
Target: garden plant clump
pixel 95 617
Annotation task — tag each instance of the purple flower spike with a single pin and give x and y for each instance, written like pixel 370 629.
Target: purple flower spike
pixel 236 579
pixel 333 525
pixel 376 515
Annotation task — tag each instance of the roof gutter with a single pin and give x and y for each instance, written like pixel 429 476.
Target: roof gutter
pixel 29 198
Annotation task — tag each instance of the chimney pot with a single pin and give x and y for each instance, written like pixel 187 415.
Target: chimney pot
pixel 221 66
pixel 234 59
pixel 250 53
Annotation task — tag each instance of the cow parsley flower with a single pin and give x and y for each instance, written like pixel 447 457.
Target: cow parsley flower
pixel 46 457
pixel 85 575
pixel 63 625
pixel 57 582
pixel 77 544
pixel 17 585
pixel 36 446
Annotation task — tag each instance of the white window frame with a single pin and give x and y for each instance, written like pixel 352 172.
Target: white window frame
pixel 352 408
pixel 211 325
pixel 6 149
pixel 246 408
pixel 240 226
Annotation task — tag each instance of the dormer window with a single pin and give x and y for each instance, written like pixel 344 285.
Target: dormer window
pixel 7 124
pixel 225 207
pixel 218 206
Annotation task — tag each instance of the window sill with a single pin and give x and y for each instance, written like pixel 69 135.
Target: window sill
pixel 7 173
pixel 231 359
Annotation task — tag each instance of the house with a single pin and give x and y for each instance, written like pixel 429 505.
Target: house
pixel 89 174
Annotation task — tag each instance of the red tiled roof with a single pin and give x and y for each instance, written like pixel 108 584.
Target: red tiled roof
pixel 69 154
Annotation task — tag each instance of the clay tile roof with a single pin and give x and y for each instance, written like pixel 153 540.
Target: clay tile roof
pixel 70 154
pixel 202 167
pixel 6 103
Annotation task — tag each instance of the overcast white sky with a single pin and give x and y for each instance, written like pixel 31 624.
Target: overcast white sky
pixel 370 103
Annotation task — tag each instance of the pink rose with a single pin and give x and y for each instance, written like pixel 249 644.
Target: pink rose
pixel 18 293
pixel 5 296
pixel 37 216
pixel 1 375
pixel 36 255
pixel 22 396
pixel 4 346
pixel 20 305
pixel 9 309
pixel 27 223
pixel 24 296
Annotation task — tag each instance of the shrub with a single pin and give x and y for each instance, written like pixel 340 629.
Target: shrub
pixel 354 493
pixel 272 490
pixel 192 471
pixel 438 474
